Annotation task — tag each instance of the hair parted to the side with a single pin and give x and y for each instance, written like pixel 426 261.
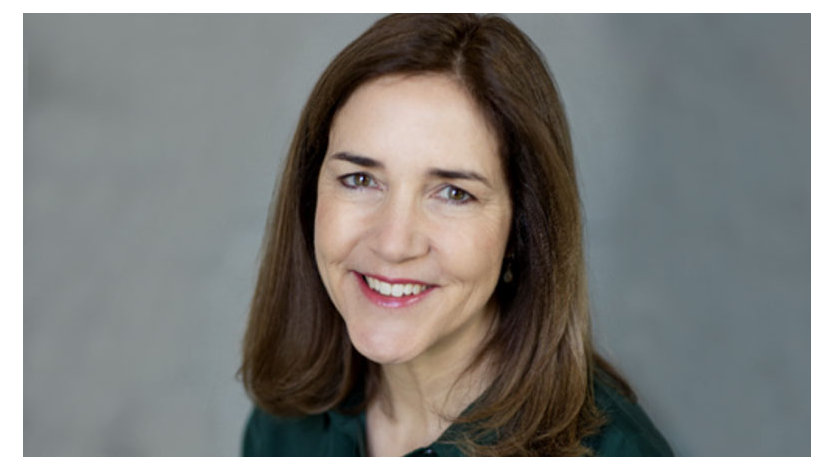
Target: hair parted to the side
pixel 297 356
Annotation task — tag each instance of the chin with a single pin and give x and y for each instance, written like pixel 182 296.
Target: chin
pixel 383 349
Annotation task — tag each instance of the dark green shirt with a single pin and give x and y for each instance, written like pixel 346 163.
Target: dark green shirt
pixel 628 432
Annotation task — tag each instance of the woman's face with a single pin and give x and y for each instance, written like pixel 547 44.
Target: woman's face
pixel 412 218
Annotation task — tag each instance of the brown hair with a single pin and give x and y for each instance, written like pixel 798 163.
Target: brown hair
pixel 297 356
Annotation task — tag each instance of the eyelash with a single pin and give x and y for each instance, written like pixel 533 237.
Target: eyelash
pixel 349 181
pixel 465 199
pixel 346 178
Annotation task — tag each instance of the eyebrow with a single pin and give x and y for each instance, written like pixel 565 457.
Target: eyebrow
pixel 356 159
pixel 437 172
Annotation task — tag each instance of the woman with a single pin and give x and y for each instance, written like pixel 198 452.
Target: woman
pixel 422 287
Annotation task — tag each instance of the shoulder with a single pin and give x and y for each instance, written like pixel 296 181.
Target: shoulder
pixel 267 435
pixel 628 431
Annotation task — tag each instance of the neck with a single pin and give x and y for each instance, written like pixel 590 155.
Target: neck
pixel 419 399
pixel 428 392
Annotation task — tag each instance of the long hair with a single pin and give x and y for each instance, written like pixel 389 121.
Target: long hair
pixel 297 356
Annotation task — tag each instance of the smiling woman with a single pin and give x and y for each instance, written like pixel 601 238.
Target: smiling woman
pixel 422 285
pixel 397 219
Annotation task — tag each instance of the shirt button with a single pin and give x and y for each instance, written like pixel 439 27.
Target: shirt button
pixel 429 452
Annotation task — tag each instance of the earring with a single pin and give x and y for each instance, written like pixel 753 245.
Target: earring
pixel 508 273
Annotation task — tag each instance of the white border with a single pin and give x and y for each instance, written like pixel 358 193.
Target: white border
pixel 377 6
pixel 11 184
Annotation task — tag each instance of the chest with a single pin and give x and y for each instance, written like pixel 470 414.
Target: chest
pixel 393 438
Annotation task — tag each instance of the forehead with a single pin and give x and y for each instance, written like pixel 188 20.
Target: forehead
pixel 423 119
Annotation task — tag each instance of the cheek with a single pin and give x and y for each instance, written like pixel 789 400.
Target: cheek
pixel 474 251
pixel 326 225
pixel 335 230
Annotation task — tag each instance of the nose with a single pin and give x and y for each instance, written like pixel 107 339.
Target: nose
pixel 399 230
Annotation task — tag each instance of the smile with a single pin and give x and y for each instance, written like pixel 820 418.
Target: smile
pixel 392 293
pixel 394 290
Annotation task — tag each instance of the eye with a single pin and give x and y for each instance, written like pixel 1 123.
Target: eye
pixel 358 180
pixel 455 195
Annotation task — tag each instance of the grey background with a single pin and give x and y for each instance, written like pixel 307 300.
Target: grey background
pixel 151 145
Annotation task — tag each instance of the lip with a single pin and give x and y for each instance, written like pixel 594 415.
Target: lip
pixel 389 301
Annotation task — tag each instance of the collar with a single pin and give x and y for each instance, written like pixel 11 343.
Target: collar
pixel 352 426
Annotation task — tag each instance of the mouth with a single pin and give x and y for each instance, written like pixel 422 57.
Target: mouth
pixel 392 293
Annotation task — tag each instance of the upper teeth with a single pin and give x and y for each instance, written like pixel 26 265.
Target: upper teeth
pixel 394 290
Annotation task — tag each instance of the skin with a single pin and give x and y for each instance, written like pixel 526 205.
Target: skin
pixel 394 214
